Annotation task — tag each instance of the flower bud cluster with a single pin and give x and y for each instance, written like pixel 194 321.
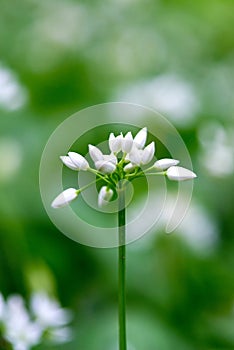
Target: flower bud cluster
pixel 127 156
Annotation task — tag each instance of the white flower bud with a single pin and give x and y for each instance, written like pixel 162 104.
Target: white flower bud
pixel 105 166
pixel 79 161
pixel 95 153
pixel 165 163
pixel 148 153
pixel 115 143
pixel 140 138
pixel 104 196
pixel 67 161
pixel 110 158
pixel 134 156
pixel 127 142
pixel 129 167
pixel 141 157
pixel 65 198
pixel 178 173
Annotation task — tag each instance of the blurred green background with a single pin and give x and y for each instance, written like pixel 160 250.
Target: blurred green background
pixel 57 57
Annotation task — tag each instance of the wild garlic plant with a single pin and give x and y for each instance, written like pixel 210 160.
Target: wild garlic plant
pixel 129 158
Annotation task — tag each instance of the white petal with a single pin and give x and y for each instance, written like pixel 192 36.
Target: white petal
pixel 178 173
pixel 135 155
pixel 127 142
pixel 165 163
pixel 78 160
pixel 105 166
pixel 140 138
pixel 148 153
pixel 129 167
pixel 48 312
pixel 115 143
pixel 104 195
pixel 95 153
pixel 67 161
pixel 110 158
pixel 64 198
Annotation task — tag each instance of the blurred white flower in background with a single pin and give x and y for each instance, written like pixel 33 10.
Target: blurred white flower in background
pixel 202 238
pixel 12 95
pixel 217 149
pixel 20 331
pixel 45 320
pixel 55 29
pixel 10 158
pixel 48 312
pixel 2 305
pixel 168 93
pixel 60 335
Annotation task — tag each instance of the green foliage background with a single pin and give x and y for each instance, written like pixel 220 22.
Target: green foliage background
pixel 66 55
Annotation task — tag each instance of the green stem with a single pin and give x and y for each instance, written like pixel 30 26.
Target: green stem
pixel 122 270
pixel 96 172
pixel 87 186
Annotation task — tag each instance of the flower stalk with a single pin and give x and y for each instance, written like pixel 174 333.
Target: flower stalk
pixel 122 269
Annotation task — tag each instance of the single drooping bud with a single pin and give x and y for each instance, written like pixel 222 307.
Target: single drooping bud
pixel 104 196
pixel 165 163
pixel 178 173
pixel 65 198
pixel 67 161
pixel 78 160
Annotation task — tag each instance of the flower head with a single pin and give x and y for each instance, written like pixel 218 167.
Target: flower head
pixel 127 155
